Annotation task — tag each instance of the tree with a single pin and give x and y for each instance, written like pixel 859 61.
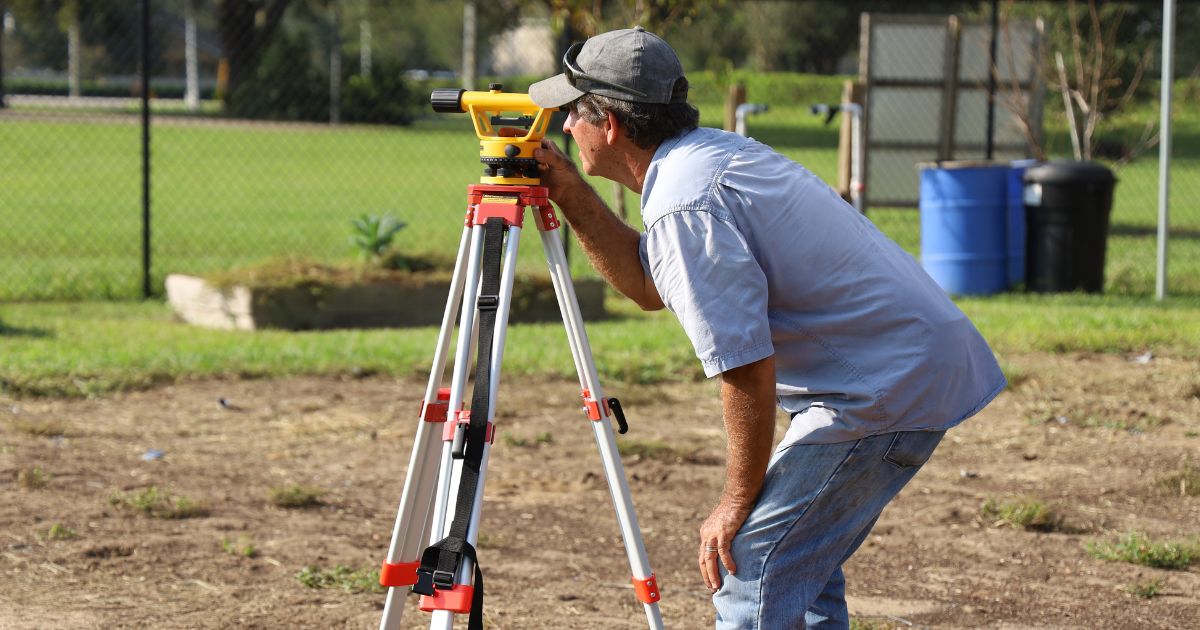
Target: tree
pixel 245 28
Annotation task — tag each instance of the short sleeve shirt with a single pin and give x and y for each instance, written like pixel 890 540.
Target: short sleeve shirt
pixel 758 257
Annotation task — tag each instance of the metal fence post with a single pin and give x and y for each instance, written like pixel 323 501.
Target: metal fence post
pixel 3 10
pixel 1164 146
pixel 145 54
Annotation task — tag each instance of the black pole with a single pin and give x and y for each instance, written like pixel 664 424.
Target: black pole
pixel 3 9
pixel 991 102
pixel 145 46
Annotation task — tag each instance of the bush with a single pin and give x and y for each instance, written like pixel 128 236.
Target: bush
pixel 773 88
pixel 286 85
pixel 383 98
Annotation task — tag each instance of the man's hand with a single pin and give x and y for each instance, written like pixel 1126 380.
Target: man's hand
pixel 609 242
pixel 716 538
pixel 558 172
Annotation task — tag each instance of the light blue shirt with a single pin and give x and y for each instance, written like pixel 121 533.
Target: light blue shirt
pixel 756 256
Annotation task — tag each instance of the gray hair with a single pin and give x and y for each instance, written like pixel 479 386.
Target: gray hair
pixel 646 124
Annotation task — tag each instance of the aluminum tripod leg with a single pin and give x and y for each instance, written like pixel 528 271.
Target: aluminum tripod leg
pixel 412 519
pixel 444 619
pixel 635 548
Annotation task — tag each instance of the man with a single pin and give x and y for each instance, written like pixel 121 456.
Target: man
pixel 788 294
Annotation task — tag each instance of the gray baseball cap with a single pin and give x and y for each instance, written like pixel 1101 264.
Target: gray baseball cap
pixel 629 64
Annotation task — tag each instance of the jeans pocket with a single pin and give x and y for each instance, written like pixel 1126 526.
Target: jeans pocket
pixel 912 448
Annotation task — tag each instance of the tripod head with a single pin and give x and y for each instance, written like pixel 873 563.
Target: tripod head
pixel 509 125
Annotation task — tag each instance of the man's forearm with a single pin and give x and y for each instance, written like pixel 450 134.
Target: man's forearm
pixel 748 401
pixel 611 245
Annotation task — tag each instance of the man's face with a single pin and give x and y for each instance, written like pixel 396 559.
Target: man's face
pixel 590 138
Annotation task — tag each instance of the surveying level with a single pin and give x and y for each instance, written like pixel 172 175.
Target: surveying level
pixel 432 552
pixel 509 125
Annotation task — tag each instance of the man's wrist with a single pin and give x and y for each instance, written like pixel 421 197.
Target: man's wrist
pixel 736 502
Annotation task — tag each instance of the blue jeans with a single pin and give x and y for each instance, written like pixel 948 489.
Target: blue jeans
pixel 816 506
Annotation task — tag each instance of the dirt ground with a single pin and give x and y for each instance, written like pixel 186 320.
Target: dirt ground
pixel 1088 435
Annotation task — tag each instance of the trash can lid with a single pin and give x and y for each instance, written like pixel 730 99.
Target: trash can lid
pixel 1068 171
pixel 948 164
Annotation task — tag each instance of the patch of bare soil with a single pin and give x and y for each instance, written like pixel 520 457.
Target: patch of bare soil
pixel 1090 436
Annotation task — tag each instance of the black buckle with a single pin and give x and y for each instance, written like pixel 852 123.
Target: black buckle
pixel 443 579
pixel 488 302
pixel 428 580
pixel 424 585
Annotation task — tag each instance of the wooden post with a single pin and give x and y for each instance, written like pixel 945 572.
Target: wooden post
pixel 737 96
pixel 852 92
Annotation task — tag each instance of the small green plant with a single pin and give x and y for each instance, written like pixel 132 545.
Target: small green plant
pixel 343 577
pixel 58 531
pixel 373 235
pixel 159 504
pixel 1147 589
pixel 1136 548
pixel 1020 513
pixel 1185 482
pixel 297 497
pixel 241 547
pixel 32 478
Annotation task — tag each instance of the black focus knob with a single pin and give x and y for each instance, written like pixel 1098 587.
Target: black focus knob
pixel 446 100
pixel 512 150
pixel 495 87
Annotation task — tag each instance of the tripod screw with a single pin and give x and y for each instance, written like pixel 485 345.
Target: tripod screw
pixel 489 171
pixel 504 171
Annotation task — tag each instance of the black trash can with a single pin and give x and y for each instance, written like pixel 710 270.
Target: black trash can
pixel 1067 208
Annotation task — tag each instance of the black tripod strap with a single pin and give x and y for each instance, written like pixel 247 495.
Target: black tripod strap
pixel 440 562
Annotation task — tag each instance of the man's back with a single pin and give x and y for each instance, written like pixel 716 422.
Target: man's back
pixel 856 326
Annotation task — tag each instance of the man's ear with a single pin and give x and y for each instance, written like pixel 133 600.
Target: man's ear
pixel 612 129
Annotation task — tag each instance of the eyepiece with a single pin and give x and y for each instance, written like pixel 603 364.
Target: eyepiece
pixel 447 100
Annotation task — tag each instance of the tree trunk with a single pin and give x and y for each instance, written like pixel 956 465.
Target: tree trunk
pixel 192 97
pixel 246 28
pixel 74 47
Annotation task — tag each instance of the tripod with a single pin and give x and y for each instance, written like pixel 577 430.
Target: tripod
pixel 446 574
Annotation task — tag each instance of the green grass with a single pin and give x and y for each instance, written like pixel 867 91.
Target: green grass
pixel 1184 482
pixel 296 497
pixel 343 577
pixel 32 478
pixel 241 546
pixel 229 194
pixel 158 503
pixel 58 531
pixel 1136 548
pixel 92 348
pixel 1148 588
pixel 81 349
pixel 1021 513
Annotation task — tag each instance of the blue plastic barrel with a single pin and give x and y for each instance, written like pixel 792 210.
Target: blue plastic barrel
pixel 964 231
pixel 1016 220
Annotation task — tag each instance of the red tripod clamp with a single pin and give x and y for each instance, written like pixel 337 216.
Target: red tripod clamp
pixel 485 201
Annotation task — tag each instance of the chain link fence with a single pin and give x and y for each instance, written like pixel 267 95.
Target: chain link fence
pixel 273 124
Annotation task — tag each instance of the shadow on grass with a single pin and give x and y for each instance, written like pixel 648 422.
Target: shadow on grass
pixel 13 331
pixel 1147 231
